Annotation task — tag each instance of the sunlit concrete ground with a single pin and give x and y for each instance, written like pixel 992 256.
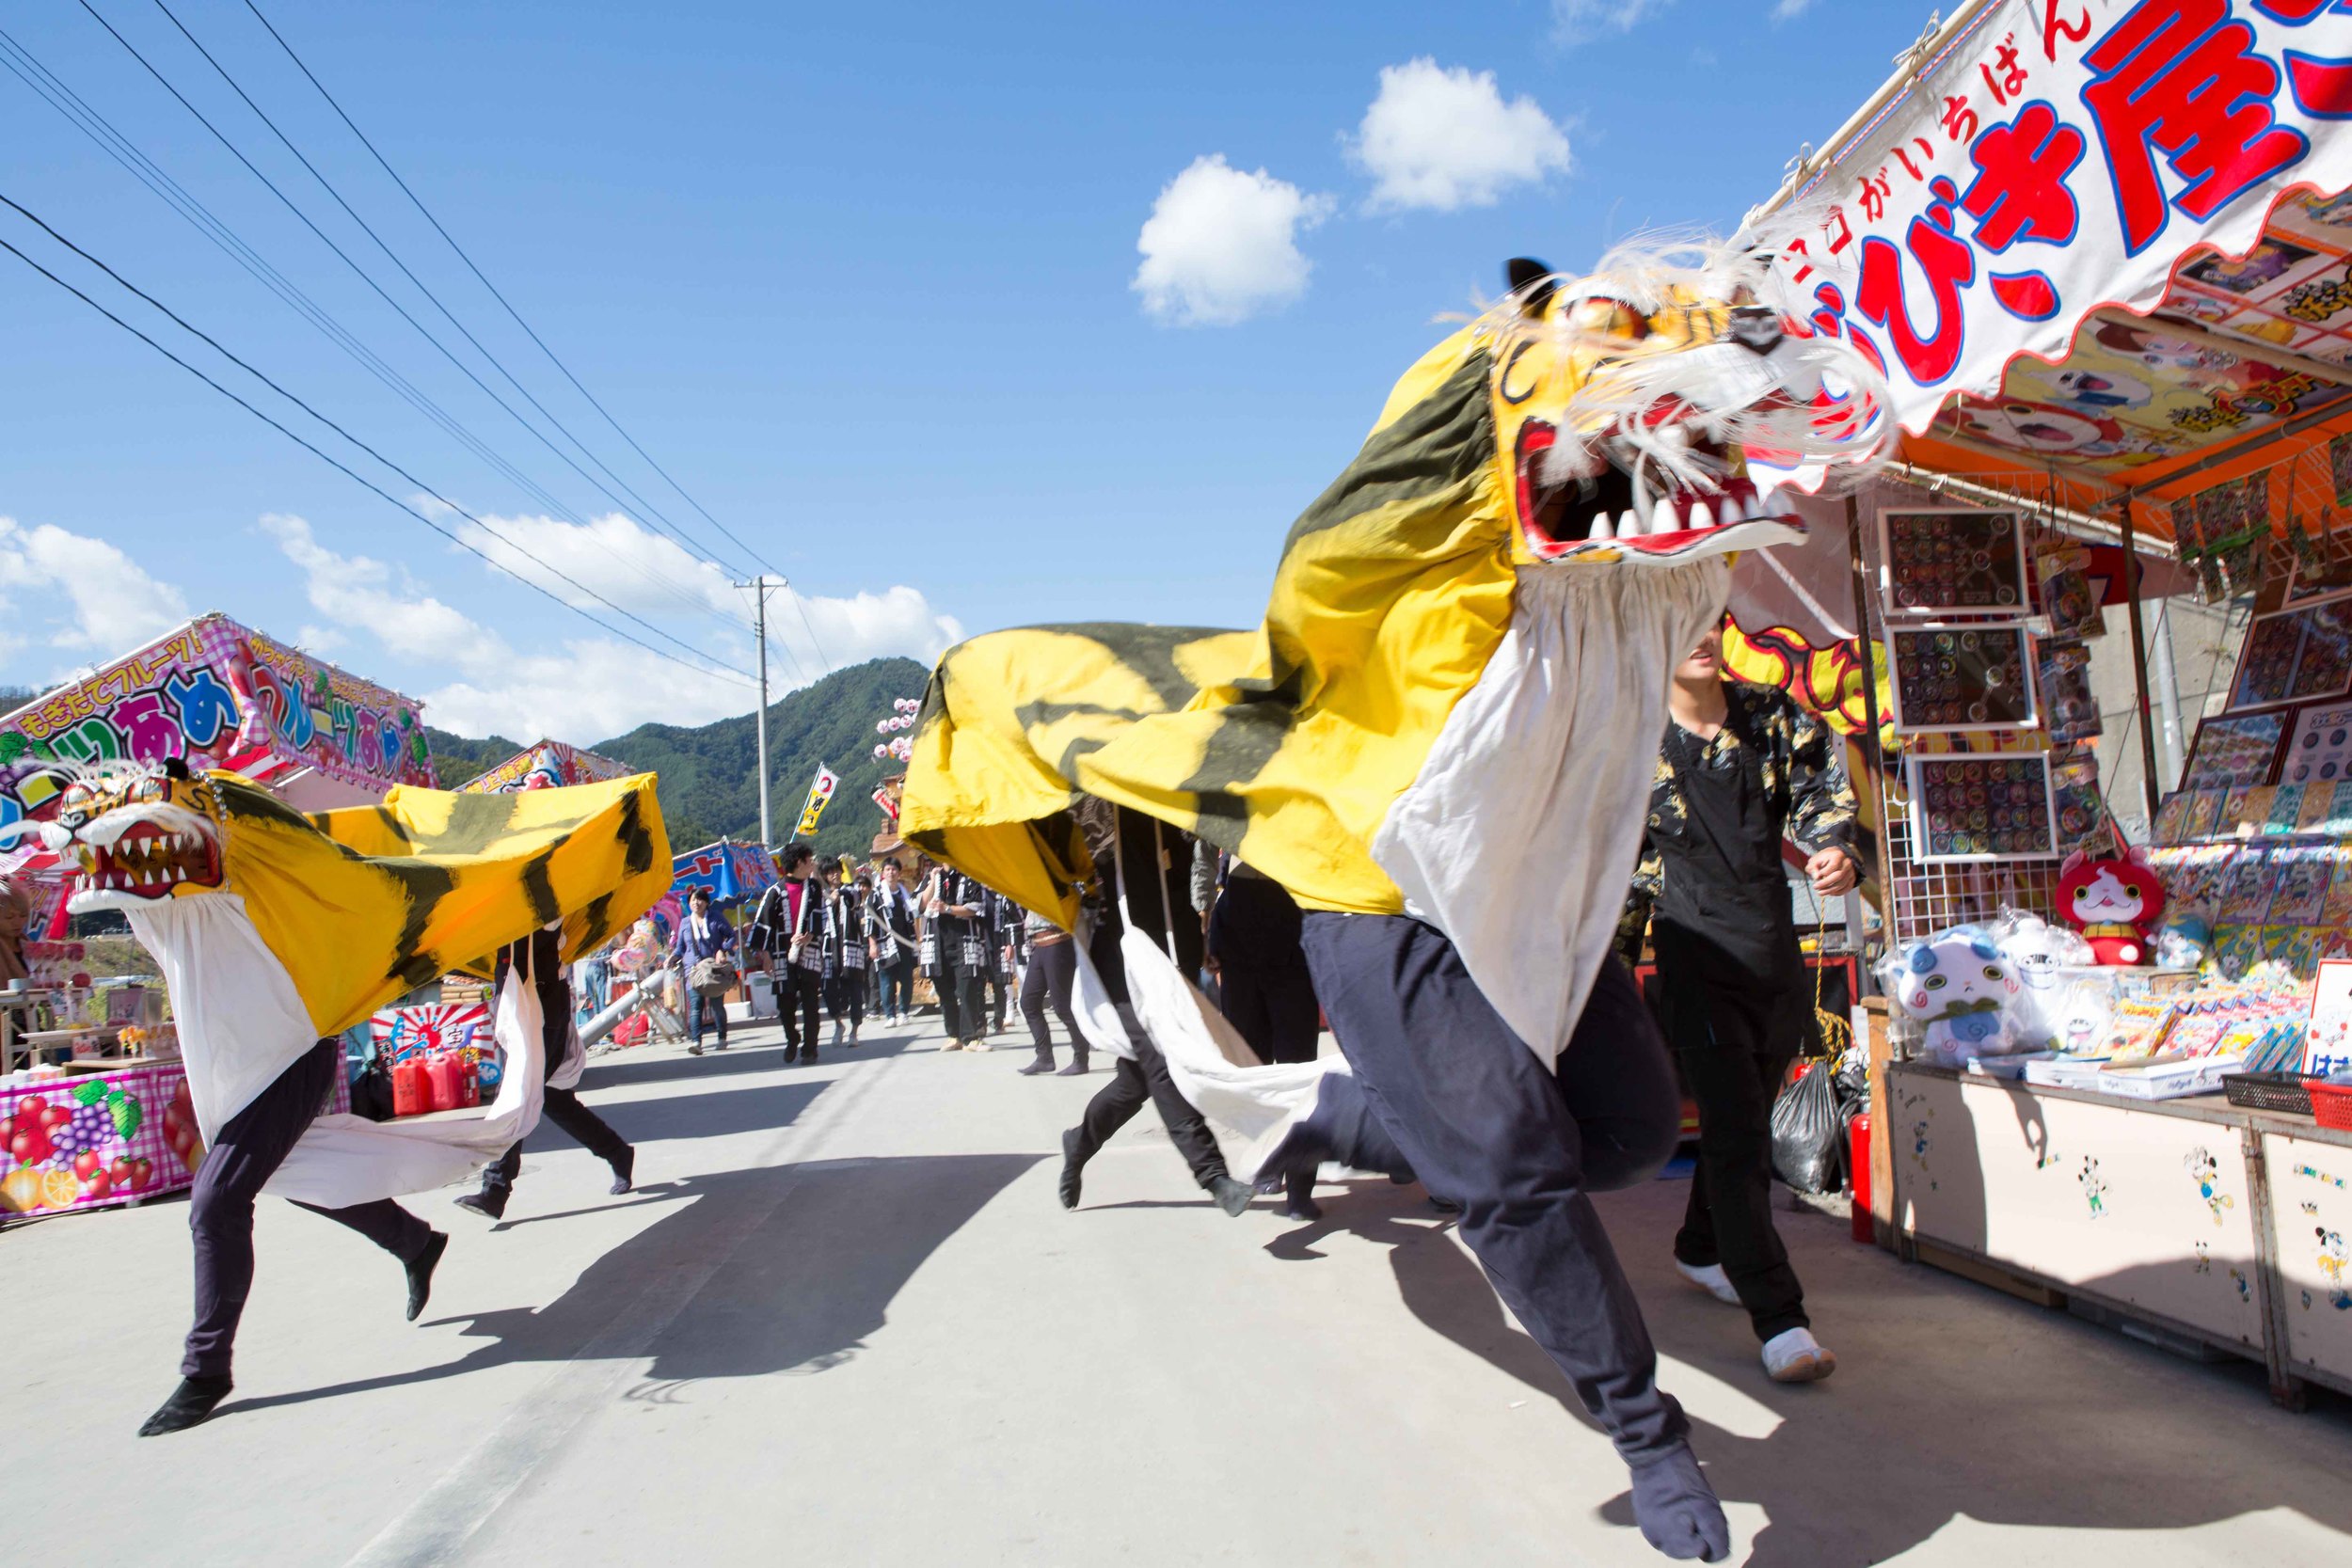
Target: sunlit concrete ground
pixel 842 1321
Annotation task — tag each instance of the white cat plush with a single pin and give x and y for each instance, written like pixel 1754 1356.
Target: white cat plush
pixel 1966 996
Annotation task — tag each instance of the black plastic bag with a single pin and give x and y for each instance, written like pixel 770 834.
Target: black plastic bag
pixel 1807 1132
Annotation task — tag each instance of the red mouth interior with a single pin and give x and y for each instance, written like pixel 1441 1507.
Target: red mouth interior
pixel 1558 518
pixel 149 861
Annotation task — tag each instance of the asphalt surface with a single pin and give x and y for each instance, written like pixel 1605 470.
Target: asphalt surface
pixel 842 1321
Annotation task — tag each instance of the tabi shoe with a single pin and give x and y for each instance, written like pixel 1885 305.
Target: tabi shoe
pixel 1231 1195
pixel 190 1404
pixel 853 1028
pixel 1077 1069
pixel 1795 1356
pixel 1071 1167
pixel 1041 1064
pixel 1299 1196
pixel 976 1045
pixel 491 1203
pixel 952 1045
pixel 1711 1280
pixel 623 1173
pixel 420 1273
pixel 836 1031
pixel 1677 1509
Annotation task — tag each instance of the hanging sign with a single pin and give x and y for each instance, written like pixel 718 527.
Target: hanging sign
pixel 2056 156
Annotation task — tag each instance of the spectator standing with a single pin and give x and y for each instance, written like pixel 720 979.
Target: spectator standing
pixel 895 939
pixel 956 909
pixel 702 933
pixel 848 953
pixel 1053 972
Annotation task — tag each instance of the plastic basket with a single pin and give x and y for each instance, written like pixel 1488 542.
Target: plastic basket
pixel 2267 1091
pixel 2331 1103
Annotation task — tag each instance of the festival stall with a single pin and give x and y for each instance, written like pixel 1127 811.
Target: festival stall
pixel 2101 253
pixel 548 764
pixel 93 1106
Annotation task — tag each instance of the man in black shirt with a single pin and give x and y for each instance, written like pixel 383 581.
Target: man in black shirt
pixel 958 909
pixel 1740 767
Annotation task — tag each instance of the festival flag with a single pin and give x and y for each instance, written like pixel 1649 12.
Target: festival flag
pixel 820 792
pixel 888 800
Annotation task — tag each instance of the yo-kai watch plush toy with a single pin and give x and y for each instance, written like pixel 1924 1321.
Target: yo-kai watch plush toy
pixel 2113 901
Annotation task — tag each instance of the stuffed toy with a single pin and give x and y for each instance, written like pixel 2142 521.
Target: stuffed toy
pixel 1966 997
pixel 2112 901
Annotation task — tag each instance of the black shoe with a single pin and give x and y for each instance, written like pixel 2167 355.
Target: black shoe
pixel 1077 1069
pixel 190 1404
pixel 1444 1205
pixel 1300 1200
pixel 623 1172
pixel 1043 1064
pixel 420 1273
pixel 1231 1195
pixel 695 1049
pixel 490 1202
pixel 1071 1168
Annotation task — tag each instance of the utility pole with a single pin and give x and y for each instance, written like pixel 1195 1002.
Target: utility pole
pixel 760 585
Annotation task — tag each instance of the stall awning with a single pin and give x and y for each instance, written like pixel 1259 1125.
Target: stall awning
pixel 548 764
pixel 2101 247
pixel 730 870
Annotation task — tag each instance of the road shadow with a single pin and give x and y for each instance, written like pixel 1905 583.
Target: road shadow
pixel 750 1108
pixel 1951 1402
pixel 812 1257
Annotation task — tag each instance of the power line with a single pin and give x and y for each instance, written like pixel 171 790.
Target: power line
pixel 815 645
pixel 364 276
pixel 493 288
pixel 316 451
pixel 641 504
pixel 53 90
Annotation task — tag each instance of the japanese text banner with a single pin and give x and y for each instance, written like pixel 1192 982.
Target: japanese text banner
pixel 2057 156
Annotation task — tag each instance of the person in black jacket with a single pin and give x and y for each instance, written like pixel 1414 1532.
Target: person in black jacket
pixel 895 944
pixel 542 960
pixel 959 911
pixel 792 920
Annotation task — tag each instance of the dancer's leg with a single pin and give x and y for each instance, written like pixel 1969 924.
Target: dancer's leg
pixel 1034 988
pixel 1186 1126
pixel 248 1152
pixel 1478 1117
pixel 1114 1106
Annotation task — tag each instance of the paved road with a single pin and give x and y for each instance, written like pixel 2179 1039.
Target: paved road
pixel 844 1322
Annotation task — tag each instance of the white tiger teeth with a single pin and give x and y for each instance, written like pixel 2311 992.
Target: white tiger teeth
pixel 1700 516
pixel 1731 511
pixel 1600 527
pixel 1628 526
pixel 1661 520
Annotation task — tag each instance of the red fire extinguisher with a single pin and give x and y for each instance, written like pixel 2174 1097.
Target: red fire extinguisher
pixel 1858 1158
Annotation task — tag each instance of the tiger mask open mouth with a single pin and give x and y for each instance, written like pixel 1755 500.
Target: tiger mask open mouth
pixel 1627 404
pixel 136 834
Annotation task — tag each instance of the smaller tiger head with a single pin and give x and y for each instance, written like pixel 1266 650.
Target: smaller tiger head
pixel 140 834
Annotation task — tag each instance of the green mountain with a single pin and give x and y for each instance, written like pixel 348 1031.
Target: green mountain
pixel 709 782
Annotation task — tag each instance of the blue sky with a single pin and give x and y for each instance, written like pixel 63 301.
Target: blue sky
pixel 864 278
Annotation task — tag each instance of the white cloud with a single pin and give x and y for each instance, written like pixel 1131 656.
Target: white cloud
pixel 1221 245
pixel 78 594
pixel 1444 138
pixel 1574 20
pixel 592 688
pixel 1788 9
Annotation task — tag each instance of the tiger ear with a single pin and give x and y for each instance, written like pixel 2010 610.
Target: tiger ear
pixel 1533 281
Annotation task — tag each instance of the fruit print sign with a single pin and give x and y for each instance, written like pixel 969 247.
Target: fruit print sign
pixel 92 1140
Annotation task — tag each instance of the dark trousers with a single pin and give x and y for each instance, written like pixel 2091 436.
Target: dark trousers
pixel 560 1106
pixel 961 1006
pixel 698 1006
pixel 1264 988
pixel 220 1209
pixel 1053 969
pixel 898 987
pixel 1734 1044
pixel 1520 1147
pixel 799 993
pixel 1134 1081
pixel 845 996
